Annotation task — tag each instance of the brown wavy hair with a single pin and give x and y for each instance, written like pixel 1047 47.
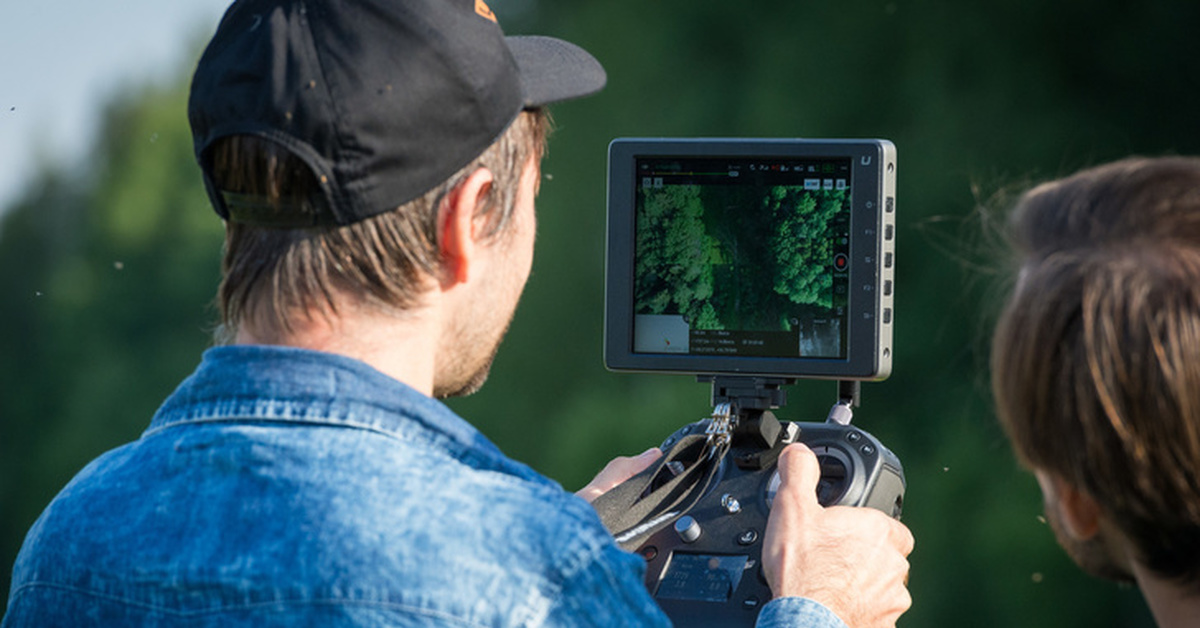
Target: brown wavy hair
pixel 1096 356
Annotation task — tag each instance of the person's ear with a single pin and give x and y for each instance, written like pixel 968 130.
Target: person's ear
pixel 1078 512
pixel 459 232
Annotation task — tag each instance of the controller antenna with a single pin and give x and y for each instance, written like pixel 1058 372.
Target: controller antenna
pixel 849 394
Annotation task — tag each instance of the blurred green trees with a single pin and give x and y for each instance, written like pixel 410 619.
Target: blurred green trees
pixel 107 275
pixel 107 271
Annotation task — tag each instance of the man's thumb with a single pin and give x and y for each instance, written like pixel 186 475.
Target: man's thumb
pixel 799 473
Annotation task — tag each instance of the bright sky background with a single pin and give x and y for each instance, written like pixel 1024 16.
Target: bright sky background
pixel 60 60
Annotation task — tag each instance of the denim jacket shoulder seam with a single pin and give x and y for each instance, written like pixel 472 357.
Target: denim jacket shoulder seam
pixel 157 429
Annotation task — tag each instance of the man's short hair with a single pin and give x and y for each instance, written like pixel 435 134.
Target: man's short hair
pixel 271 275
pixel 1096 357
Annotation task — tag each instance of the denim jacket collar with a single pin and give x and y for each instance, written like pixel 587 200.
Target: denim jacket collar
pixel 267 383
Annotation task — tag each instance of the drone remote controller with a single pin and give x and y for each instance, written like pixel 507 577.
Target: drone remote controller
pixel 704 553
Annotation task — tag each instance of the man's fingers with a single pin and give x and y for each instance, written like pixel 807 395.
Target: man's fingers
pixel 618 470
pixel 902 538
pixel 632 466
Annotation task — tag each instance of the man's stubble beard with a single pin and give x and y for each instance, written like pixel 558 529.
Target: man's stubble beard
pixel 475 341
pixel 468 378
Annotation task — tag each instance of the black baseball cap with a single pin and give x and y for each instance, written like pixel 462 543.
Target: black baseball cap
pixel 383 99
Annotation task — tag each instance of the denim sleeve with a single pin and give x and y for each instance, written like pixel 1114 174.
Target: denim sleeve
pixel 797 612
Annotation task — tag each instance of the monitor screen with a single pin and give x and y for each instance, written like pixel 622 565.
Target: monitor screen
pixel 740 256
pixel 765 257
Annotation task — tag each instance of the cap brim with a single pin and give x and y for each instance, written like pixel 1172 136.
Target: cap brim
pixel 553 70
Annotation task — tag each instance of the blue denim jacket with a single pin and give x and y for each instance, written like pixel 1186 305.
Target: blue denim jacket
pixel 282 487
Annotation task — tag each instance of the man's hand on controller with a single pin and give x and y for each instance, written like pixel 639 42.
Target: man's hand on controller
pixel 852 560
pixel 617 471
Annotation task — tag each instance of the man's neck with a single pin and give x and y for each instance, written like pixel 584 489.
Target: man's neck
pixel 1172 606
pixel 402 346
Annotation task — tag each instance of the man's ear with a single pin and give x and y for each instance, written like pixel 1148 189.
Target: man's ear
pixel 459 233
pixel 1077 510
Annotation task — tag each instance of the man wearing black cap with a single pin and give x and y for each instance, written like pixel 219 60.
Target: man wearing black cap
pixel 376 163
